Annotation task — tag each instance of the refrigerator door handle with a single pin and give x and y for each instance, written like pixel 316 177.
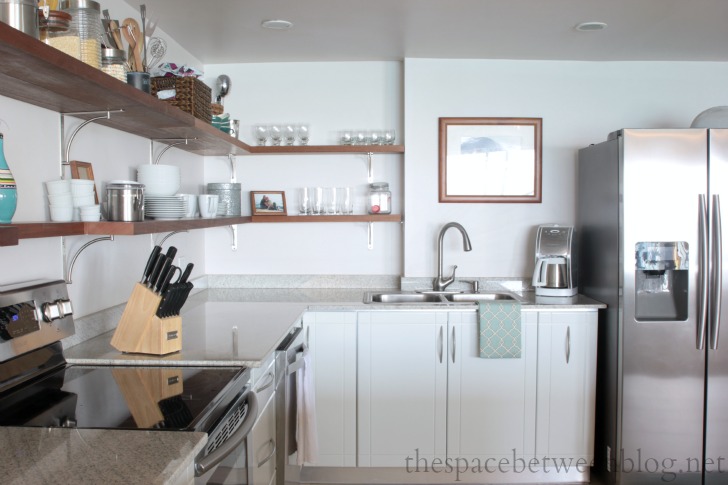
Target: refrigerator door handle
pixel 704 273
pixel 717 270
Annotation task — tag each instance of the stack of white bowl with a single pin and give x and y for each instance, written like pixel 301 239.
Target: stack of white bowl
pixel 61 200
pixel 84 196
pixel 159 180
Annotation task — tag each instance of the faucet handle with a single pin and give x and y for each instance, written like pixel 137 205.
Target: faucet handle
pixel 474 283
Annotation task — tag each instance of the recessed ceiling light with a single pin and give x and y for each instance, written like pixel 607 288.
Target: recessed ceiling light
pixel 276 24
pixel 590 26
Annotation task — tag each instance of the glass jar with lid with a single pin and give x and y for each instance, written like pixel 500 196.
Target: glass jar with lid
pixel 57 32
pixel 113 63
pixel 379 199
pixel 87 22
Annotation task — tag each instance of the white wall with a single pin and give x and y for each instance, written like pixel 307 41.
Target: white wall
pixel 580 103
pixel 330 97
pixel 104 273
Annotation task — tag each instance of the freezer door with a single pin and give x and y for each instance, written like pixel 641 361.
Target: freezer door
pixel 664 172
pixel 716 433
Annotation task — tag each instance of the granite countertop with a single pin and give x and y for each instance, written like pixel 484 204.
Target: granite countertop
pixel 63 455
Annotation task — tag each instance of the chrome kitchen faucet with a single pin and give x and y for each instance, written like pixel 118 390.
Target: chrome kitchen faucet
pixel 440 283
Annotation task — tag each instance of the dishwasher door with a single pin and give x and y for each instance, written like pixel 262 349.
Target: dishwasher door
pixel 289 360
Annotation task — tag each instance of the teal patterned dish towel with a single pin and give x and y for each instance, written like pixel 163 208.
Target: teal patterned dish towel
pixel 500 330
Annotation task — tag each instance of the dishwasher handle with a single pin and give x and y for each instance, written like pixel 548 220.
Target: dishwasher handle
pixel 206 463
pixel 295 366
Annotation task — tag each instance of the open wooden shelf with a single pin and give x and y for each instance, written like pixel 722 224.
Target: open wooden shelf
pixel 353 218
pixel 8 236
pixel 259 150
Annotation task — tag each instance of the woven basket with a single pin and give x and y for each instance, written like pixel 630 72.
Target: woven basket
pixel 192 95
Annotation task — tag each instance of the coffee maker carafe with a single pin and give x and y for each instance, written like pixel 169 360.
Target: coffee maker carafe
pixel 555 271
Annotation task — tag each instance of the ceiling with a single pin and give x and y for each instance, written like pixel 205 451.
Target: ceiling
pixel 229 31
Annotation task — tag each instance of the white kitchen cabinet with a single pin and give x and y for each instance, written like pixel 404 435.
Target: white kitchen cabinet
pixel 567 346
pixel 331 338
pixel 491 403
pixel 402 384
pixel 262 447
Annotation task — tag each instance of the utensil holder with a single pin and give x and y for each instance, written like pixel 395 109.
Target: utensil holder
pixel 141 331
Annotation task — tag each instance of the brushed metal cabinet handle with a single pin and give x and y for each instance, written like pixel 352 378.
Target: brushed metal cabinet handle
pixel 568 344
pixel 439 345
pixel 267 384
pixel 270 455
pixel 704 276
pixel 453 345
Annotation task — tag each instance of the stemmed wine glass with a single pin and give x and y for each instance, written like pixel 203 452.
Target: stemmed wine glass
pixel 289 134
pixel 276 134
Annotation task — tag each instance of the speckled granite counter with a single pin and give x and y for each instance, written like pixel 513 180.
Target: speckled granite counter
pixel 41 456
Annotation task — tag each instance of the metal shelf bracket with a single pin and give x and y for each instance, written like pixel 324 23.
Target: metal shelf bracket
pixel 370 236
pixel 161 242
pixel 179 141
pixel 67 152
pixel 80 250
pixel 233 175
pixel 370 171
pixel 234 230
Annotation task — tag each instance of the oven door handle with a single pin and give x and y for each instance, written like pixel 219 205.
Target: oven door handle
pixel 206 463
pixel 299 363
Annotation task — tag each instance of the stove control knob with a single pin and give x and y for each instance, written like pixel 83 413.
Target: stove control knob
pixel 56 310
pixel 69 423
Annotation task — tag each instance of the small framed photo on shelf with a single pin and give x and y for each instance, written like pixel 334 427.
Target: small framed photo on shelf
pixel 84 171
pixel 268 203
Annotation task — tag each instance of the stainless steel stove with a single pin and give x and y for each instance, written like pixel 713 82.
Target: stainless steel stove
pixel 38 388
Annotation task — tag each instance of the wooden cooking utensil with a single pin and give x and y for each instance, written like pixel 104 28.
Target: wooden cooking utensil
pixel 114 28
pixel 132 34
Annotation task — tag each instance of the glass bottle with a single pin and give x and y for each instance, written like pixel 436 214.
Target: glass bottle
pixel 380 198
pixel 8 191
pixel 56 31
pixel 86 20
pixel 113 63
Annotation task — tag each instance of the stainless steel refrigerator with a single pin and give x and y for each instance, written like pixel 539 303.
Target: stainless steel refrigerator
pixel 649 224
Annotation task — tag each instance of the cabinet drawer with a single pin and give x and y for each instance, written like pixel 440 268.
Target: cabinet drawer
pixel 263 447
pixel 264 382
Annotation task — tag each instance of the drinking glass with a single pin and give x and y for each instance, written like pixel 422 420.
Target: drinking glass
pixel 276 134
pixel 361 137
pixel 376 137
pixel 303 134
pixel 389 136
pixel 345 200
pixel 305 204
pixel 330 203
pixel 317 197
pixel 346 137
pixel 289 134
pixel 260 132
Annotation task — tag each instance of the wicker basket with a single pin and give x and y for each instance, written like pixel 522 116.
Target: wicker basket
pixel 192 95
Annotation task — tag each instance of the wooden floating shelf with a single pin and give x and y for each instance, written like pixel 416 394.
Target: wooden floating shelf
pixel 354 218
pixel 9 235
pixel 260 150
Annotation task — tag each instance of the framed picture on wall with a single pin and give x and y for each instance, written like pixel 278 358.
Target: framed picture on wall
pixel 83 171
pixel 490 160
pixel 268 203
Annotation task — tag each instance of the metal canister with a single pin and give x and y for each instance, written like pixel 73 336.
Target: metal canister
pixel 125 201
pixel 21 14
pixel 229 198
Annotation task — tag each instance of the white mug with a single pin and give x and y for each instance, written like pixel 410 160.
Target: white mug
pixel 208 205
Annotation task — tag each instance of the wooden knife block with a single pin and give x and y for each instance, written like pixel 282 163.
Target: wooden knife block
pixel 143 388
pixel 141 331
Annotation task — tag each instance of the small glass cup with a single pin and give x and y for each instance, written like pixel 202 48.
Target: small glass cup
pixel 376 137
pixel 303 134
pixel 388 136
pixel 260 132
pixel 289 134
pixel 330 201
pixel 317 197
pixel 305 203
pixel 362 137
pixel 346 137
pixel 276 134
pixel 345 200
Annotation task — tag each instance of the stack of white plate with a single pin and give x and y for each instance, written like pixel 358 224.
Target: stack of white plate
pixel 164 207
pixel 159 179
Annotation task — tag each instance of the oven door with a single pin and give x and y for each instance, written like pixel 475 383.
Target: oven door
pixel 224 460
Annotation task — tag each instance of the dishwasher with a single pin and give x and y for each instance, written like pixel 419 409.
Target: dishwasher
pixel 289 360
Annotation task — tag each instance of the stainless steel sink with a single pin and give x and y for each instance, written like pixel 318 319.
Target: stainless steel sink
pixel 478 297
pixel 395 297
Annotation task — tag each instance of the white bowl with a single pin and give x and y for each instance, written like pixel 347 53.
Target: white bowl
pixel 78 190
pixel 61 214
pixel 61 199
pixel 83 200
pixel 90 209
pixel 90 217
pixel 57 187
pixel 75 182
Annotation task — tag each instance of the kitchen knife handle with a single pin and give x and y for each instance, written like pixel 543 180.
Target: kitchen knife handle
pixel 162 274
pixel 186 274
pixel 155 272
pixel 717 283
pixel 150 263
pixel 167 279
pixel 704 275
pixel 171 252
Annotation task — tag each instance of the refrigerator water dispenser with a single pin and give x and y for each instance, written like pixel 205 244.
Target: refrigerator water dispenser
pixel 661 281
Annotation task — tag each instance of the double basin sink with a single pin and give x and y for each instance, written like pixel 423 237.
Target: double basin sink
pixel 391 297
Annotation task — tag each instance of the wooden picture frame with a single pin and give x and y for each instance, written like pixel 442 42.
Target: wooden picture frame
pixel 490 160
pixel 268 203
pixel 83 171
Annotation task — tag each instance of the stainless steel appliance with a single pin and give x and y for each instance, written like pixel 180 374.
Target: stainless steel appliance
pixel 289 360
pixel 38 388
pixel 555 270
pixel 649 221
